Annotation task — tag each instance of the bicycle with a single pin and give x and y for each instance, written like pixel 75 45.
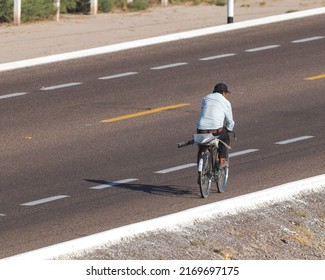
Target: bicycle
pixel 208 162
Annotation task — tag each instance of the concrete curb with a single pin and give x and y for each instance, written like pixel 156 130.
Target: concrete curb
pixel 157 40
pixel 177 220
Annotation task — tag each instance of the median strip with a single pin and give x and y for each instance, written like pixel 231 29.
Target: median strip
pixel 151 111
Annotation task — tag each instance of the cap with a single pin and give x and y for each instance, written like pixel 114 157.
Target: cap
pixel 220 88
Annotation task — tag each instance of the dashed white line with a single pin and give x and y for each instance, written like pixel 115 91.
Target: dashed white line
pixel 112 184
pixel 307 39
pixel 44 200
pixel 2 215
pixel 172 169
pixel 184 166
pixel 262 48
pixel 288 141
pixel 244 152
pixel 118 75
pixel 60 86
pixel 12 95
pixel 168 66
pixel 217 56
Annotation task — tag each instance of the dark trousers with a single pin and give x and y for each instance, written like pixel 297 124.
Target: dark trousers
pixel 223 136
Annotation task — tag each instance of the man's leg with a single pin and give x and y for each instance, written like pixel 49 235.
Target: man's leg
pixel 223 151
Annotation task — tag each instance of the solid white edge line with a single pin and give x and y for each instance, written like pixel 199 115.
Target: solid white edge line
pixel 12 95
pixel 44 200
pixel 113 184
pixel 178 220
pixel 292 140
pixel 159 39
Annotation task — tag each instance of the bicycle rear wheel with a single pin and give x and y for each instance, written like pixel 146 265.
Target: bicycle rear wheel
pixel 221 178
pixel 205 173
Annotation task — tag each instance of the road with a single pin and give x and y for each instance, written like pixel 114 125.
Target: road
pixel 70 167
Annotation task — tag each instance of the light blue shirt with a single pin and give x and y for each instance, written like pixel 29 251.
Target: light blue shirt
pixel 216 112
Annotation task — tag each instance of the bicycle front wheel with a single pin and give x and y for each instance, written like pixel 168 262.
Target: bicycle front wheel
pixel 205 173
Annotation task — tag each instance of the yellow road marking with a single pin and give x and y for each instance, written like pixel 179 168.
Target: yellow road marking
pixel 321 76
pixel 151 111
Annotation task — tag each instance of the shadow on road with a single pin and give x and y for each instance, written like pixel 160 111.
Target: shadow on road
pixel 168 190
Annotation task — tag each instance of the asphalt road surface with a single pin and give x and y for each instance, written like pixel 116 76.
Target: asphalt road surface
pixel 71 167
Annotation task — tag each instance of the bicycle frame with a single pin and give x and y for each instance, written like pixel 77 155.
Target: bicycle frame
pixel 208 162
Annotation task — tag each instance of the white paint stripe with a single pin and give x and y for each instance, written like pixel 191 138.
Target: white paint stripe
pixel 218 56
pixel 263 48
pixel 168 66
pixel 159 39
pixel 244 152
pixel 44 200
pixel 178 220
pixel 176 168
pixel 2 215
pixel 118 75
pixel 112 184
pixel 308 39
pixel 12 95
pixel 60 86
pixel 301 138
pixel 184 166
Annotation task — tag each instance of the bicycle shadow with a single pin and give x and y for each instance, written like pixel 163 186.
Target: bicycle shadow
pixel 167 190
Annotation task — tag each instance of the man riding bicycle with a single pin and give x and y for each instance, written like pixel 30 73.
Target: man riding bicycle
pixel 216 117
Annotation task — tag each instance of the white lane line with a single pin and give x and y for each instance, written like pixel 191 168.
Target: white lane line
pixel 118 75
pixel 301 138
pixel 307 39
pixel 168 66
pixel 12 95
pixel 2 215
pixel 174 222
pixel 262 48
pixel 184 166
pixel 244 152
pixel 112 184
pixel 44 200
pixel 217 56
pixel 61 86
pixel 172 169
pixel 160 39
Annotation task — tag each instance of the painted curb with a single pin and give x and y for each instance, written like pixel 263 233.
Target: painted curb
pixel 157 40
pixel 175 221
